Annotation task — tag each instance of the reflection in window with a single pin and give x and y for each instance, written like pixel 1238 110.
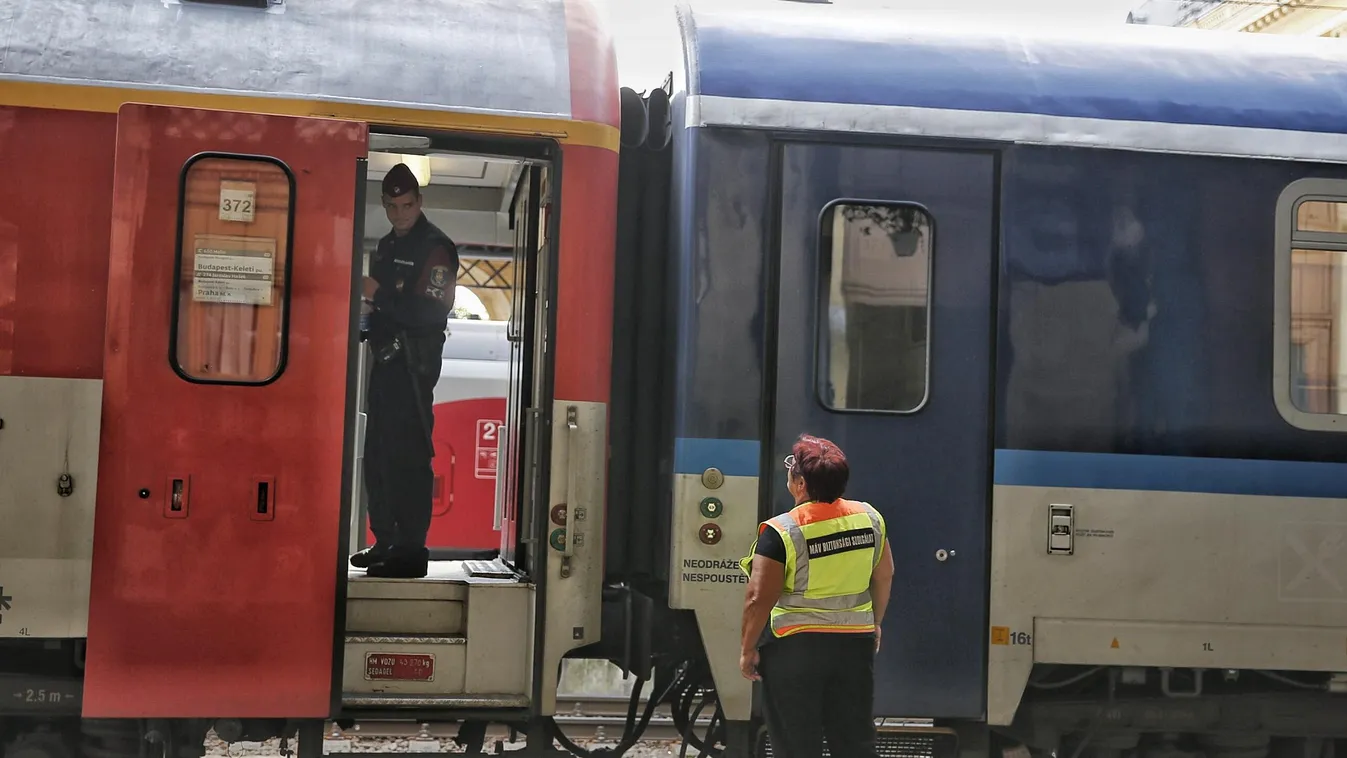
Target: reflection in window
pixel 1321 216
pixel 876 261
pixel 1317 326
pixel 232 264
pixel 1318 352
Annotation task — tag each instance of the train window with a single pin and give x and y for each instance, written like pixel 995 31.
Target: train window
pixel 1310 348
pixel 235 226
pixel 874 351
pixel 1321 216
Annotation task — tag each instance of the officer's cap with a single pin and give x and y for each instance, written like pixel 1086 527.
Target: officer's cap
pixel 399 180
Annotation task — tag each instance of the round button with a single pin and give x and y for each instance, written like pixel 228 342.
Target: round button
pixel 712 507
pixel 941 555
pixel 710 534
pixel 558 539
pixel 144 493
pixel 559 514
pixel 712 478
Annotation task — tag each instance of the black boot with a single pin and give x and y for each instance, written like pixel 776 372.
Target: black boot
pixel 370 556
pixel 402 563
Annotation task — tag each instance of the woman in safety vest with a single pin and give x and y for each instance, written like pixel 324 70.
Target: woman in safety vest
pixel 818 585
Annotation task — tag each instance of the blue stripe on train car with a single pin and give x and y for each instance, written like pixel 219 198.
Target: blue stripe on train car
pixel 733 457
pixel 1229 476
pixel 1131 73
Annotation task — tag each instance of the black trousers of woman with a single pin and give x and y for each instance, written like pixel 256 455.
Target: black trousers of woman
pixel 819 685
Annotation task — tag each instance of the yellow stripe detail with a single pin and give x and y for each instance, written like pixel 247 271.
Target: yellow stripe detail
pixel 109 99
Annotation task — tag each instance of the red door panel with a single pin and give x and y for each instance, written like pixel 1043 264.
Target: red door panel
pixel 220 472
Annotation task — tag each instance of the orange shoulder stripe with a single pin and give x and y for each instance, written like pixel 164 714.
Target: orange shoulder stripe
pixel 810 513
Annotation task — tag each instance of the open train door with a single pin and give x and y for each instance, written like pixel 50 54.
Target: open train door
pixel 223 458
pixel 519 461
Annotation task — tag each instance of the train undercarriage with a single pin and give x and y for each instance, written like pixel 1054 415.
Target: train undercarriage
pixel 1141 712
pixel 1068 712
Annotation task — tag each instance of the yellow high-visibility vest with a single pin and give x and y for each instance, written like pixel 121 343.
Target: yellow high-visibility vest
pixel 831 551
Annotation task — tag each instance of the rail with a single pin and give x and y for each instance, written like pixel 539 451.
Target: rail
pixel 591 719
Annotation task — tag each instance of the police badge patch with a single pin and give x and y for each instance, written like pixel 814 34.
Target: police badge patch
pixel 439 276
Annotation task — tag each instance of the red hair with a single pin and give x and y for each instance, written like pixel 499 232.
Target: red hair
pixel 823 467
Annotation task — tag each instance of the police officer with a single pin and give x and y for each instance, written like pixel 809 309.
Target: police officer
pixel 819 579
pixel 411 292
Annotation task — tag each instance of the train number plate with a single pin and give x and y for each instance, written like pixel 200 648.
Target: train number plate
pixel 403 667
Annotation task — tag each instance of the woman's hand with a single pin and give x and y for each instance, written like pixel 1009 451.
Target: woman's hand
pixel 748 665
pixel 876 638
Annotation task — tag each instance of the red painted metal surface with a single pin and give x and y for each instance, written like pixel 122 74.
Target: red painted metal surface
pixel 589 216
pixel 585 275
pixel 55 210
pixel 463 514
pixel 216 609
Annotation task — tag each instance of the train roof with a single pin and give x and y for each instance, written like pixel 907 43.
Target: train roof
pixel 794 66
pixel 525 58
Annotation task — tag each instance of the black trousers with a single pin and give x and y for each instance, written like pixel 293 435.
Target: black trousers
pixel 398 476
pixel 817 685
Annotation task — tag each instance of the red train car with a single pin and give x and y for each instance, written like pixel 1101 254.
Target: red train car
pixel 183 228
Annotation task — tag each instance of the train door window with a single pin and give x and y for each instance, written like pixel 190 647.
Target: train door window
pixel 235 226
pixel 1310 349
pixel 874 335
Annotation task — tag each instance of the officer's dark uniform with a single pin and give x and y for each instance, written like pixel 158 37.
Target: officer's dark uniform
pixel 417 274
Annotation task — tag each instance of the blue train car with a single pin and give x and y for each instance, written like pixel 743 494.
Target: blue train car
pixel 1074 306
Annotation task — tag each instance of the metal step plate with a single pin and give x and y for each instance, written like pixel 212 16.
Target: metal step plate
pixel 915 742
pixel 488 570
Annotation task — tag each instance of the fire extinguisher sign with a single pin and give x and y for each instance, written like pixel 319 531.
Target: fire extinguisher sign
pixel 488 442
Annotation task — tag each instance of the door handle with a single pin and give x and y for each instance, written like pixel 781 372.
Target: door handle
pixel 572 427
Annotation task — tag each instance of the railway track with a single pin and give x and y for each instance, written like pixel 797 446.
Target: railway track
pixel 588 721
pixel 587 718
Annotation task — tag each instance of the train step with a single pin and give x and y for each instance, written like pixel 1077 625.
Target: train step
pixel 456 637
pixel 442 702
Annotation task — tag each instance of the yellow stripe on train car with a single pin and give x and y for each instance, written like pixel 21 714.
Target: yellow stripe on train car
pixel 108 99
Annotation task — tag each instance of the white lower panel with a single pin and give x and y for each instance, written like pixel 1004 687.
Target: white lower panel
pixel 705 577
pixel 499 638
pixel 1179 579
pixel 45 598
pixel 1216 646
pixel 574 563
pixel 449 634
pixel 51 429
